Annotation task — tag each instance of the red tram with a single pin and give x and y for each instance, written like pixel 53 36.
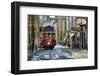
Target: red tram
pixel 47 37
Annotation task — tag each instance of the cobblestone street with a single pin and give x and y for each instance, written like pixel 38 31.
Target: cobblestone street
pixel 58 52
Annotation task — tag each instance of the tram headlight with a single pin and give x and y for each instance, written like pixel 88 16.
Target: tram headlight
pixel 48 43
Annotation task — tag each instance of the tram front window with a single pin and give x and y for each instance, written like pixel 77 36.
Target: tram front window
pixel 49 35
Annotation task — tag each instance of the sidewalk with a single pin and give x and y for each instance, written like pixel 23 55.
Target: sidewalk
pixel 77 54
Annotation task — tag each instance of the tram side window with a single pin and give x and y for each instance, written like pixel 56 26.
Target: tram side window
pixel 41 35
pixel 44 35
